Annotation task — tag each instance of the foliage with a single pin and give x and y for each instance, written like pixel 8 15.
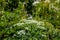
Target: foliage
pixel 31 30
pixel 16 23
pixel 48 11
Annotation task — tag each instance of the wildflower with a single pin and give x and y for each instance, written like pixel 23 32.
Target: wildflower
pixel 42 28
pixel 14 35
pixel 30 17
pixel 34 21
pixel 30 21
pixel 36 3
pixel 11 27
pixel 24 3
pixel 26 28
pixel 21 32
pixel 19 24
pixel 43 35
pixel 40 23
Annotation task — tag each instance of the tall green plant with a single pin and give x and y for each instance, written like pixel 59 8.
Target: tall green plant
pixel 48 11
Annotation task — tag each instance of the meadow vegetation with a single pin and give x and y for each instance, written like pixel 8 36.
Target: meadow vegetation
pixel 29 19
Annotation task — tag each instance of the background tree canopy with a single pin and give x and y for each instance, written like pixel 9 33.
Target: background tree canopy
pixel 29 19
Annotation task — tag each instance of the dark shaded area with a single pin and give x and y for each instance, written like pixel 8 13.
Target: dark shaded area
pixel 12 4
pixel 29 6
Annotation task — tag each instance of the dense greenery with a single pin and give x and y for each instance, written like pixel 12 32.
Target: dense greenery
pixel 16 23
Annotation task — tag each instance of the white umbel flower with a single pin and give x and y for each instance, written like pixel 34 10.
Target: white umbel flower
pixel 18 24
pixel 21 32
pixel 44 35
pixel 30 17
pixel 36 3
pixel 26 28
pixel 40 23
pixel 30 21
